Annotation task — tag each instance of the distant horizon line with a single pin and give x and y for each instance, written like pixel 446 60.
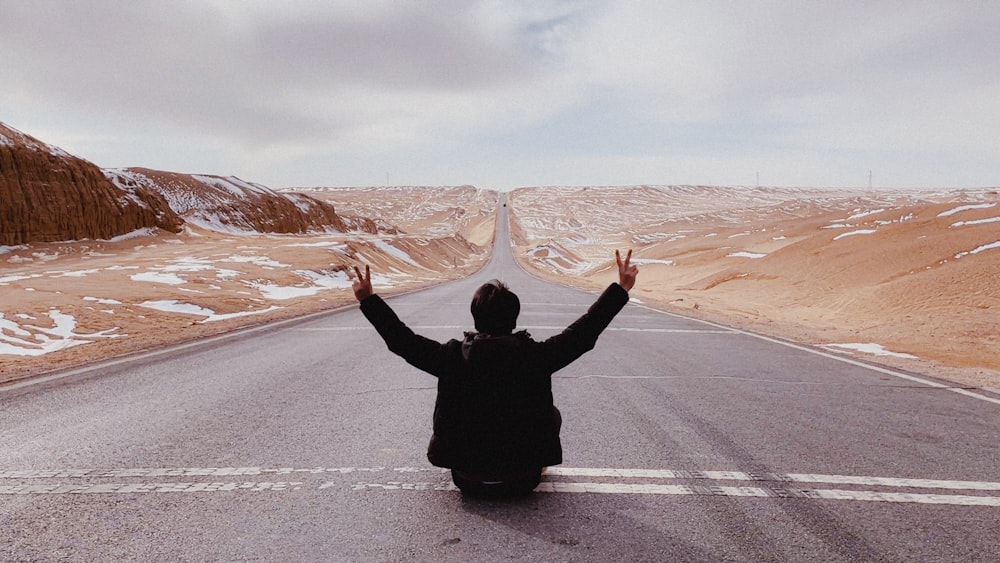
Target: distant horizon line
pixel 649 185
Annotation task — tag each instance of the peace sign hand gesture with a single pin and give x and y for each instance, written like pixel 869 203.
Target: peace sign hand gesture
pixel 626 271
pixel 363 284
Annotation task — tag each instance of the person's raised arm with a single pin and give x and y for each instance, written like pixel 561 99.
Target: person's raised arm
pixel 626 270
pixel 420 352
pixel 581 336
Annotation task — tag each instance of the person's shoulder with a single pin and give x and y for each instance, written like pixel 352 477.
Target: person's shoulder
pixel 524 338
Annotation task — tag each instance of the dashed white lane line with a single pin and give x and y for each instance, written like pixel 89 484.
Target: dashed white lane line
pixel 106 488
pixel 196 472
pixel 618 482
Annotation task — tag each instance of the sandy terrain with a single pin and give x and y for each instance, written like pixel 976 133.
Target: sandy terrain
pixel 70 303
pixel 909 279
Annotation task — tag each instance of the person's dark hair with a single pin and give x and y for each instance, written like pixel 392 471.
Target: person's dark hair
pixel 495 308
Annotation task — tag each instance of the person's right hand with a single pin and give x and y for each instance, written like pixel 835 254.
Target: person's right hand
pixel 363 285
pixel 626 271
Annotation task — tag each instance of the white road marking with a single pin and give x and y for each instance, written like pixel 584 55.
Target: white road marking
pixel 831 356
pixel 780 477
pixel 718 491
pixel 188 472
pixel 621 481
pixel 767 492
pixel 105 488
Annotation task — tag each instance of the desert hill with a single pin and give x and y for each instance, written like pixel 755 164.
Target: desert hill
pixel 49 195
pixel 228 204
pixel 434 210
pixel 909 277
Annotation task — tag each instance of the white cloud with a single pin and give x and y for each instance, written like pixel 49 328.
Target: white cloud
pixel 506 93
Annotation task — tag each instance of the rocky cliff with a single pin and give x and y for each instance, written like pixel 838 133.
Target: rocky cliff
pixel 48 195
pixel 232 205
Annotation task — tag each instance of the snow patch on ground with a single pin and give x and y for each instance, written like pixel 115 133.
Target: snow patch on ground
pixel 174 306
pixel 316 282
pixel 261 261
pixel 961 208
pixel 4 280
pixel 138 233
pixel 853 233
pixel 871 348
pixel 32 340
pixel 158 277
pixel 977 250
pixel 642 261
pixel 753 255
pixel 394 252
pixel 173 273
pixel 976 222
pixel 103 301
pixel 861 214
pixel 233 185
pixel 76 273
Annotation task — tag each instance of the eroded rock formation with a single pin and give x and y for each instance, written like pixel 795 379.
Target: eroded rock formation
pixel 233 205
pixel 48 195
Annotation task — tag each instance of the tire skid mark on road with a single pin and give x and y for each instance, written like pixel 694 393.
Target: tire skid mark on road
pixel 619 481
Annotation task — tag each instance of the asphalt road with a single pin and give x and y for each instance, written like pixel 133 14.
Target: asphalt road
pixel 305 441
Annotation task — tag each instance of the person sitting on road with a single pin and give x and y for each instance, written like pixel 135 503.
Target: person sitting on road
pixel 495 425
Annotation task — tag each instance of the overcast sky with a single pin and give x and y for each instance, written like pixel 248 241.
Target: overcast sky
pixel 505 93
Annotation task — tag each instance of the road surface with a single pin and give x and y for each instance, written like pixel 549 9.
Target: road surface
pixel 682 441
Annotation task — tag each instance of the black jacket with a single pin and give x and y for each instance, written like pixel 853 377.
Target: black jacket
pixel 494 410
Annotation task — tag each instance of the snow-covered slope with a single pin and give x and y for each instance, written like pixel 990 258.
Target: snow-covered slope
pixel 229 204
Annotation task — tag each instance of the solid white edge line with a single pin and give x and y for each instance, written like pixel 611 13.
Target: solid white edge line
pixel 776 477
pixel 828 355
pixel 767 492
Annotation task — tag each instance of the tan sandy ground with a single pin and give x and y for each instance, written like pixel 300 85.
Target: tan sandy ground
pixel 917 273
pixel 94 296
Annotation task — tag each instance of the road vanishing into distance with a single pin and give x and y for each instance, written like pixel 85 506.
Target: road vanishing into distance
pixel 683 441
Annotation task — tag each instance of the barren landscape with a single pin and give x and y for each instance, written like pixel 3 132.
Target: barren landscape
pixel 69 303
pixel 97 263
pixel 907 278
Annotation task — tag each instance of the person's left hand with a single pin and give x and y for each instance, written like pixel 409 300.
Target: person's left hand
pixel 362 286
pixel 626 270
